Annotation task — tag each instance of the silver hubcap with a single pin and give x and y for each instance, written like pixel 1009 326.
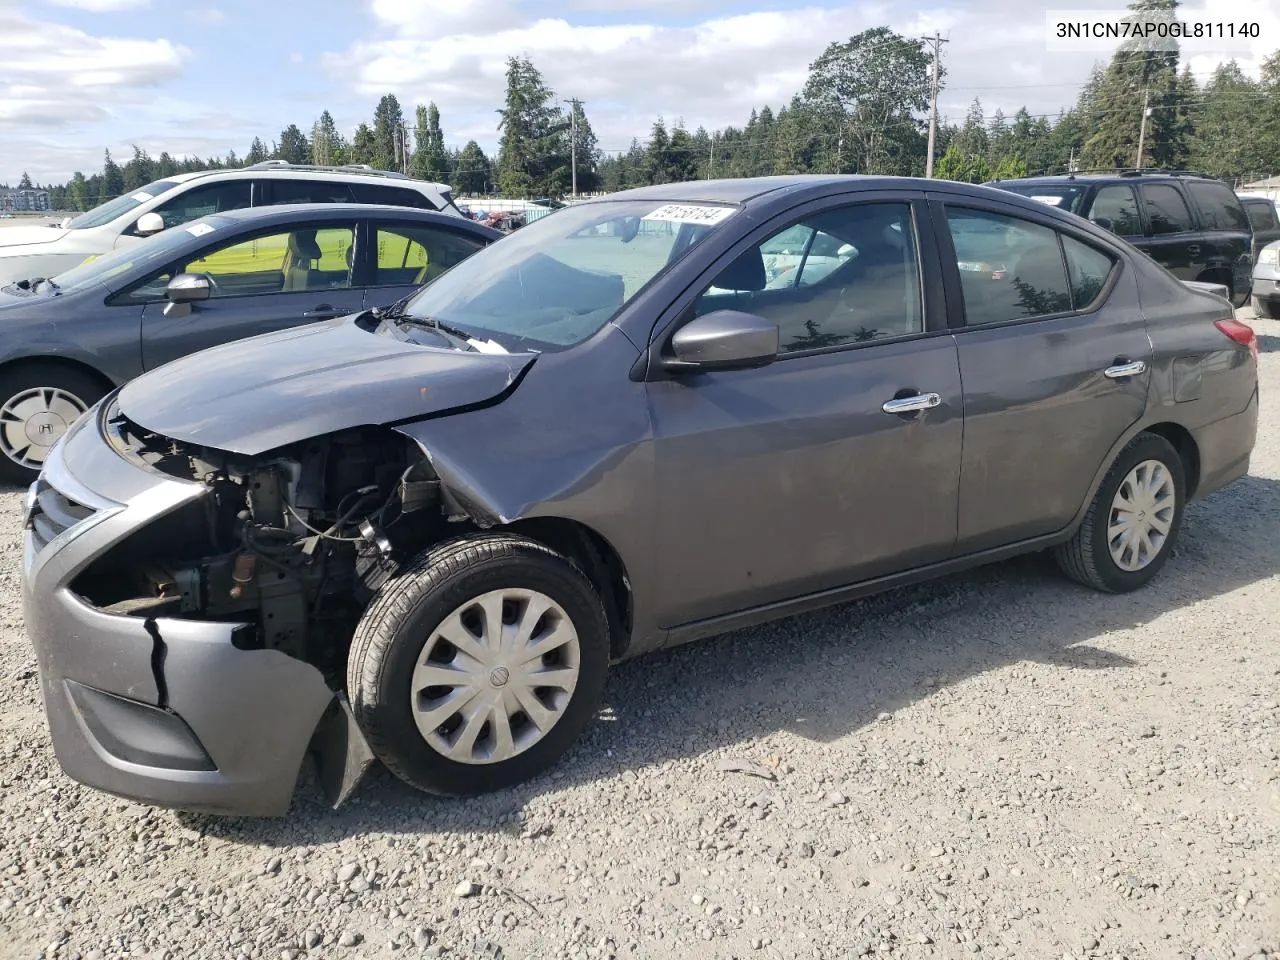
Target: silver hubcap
pixel 32 421
pixel 1141 516
pixel 495 676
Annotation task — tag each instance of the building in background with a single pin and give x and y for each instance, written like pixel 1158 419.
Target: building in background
pixel 19 201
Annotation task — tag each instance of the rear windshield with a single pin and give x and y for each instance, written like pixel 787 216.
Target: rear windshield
pixel 1064 196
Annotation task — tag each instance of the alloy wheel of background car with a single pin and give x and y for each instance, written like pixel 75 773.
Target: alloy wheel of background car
pixel 478 665
pixel 1133 521
pixel 37 405
pixel 495 676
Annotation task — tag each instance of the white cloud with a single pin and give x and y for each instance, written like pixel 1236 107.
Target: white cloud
pixel 208 15
pixel 101 6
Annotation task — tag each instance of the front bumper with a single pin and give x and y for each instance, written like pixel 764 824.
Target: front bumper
pixel 1267 287
pixel 163 710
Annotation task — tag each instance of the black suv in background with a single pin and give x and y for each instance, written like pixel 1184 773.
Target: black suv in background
pixel 1193 225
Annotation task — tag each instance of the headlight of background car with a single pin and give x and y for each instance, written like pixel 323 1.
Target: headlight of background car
pixel 1269 255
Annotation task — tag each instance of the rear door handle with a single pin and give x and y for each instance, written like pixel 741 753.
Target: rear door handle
pixel 1122 370
pixel 1193 249
pixel 323 312
pixel 921 401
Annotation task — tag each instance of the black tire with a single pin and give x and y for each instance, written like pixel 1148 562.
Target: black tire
pixel 400 620
pixel 1266 308
pixel 31 376
pixel 1086 557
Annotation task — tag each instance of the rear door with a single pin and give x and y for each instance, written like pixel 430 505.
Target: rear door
pixel 401 256
pixel 262 282
pixel 1055 362
pixel 1228 235
pixel 1172 238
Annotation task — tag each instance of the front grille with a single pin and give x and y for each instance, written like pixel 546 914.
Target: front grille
pixel 53 512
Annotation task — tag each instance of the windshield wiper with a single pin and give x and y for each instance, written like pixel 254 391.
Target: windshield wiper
pixel 430 323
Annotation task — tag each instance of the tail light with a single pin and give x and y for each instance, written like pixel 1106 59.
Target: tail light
pixel 1241 333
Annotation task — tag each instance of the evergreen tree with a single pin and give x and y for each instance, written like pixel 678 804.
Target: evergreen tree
pixel 472 175
pixel 430 161
pixel 257 152
pixel 363 148
pixel 1141 68
pixel 533 153
pixel 112 184
pixel 388 131
pixel 326 142
pixel 25 182
pixel 78 190
pixel 585 148
pixel 293 146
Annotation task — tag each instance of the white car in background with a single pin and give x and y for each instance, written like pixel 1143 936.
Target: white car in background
pixel 27 253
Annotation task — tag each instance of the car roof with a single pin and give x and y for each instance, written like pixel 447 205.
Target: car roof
pixel 302 172
pixel 319 211
pixel 730 190
pixel 1094 177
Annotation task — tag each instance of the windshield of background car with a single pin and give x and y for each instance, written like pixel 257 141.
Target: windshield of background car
pixel 154 252
pixel 106 212
pixel 554 283
pixel 1063 197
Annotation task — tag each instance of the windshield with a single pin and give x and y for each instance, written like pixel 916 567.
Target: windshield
pixel 106 212
pixel 1063 197
pixel 154 252
pixel 554 283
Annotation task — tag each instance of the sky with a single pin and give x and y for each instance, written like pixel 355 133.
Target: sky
pixel 205 76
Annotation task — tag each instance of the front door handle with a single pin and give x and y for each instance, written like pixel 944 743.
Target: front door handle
pixel 1122 370
pixel 1193 249
pixel 324 311
pixel 921 401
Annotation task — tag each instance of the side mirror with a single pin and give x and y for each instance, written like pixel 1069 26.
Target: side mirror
pixel 184 290
pixel 1105 223
pixel 66 222
pixel 724 340
pixel 149 223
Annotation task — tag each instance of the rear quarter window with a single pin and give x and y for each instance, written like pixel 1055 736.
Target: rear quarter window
pixel 1262 215
pixel 392 196
pixel 1220 209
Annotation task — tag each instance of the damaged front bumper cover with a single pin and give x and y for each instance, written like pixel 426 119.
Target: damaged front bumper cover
pixel 167 711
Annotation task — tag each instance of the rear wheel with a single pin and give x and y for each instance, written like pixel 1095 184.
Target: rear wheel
pixel 38 402
pixel 478 666
pixel 1133 522
pixel 1269 309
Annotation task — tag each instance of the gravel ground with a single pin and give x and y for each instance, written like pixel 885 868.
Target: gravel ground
pixel 997 764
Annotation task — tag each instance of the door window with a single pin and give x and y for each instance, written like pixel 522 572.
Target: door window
pixel 1010 268
pixel 392 196
pixel 1166 209
pixel 413 254
pixel 202 201
pixel 1087 269
pixel 1220 209
pixel 285 262
pixel 1118 204
pixel 844 276
pixel 1263 215
pixel 308 191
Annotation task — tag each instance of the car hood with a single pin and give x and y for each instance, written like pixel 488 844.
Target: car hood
pixel 11 237
pixel 265 392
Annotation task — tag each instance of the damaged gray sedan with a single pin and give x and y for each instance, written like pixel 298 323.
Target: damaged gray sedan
pixel 421 534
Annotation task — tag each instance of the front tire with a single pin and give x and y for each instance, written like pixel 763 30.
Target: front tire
pixel 38 402
pixel 479 665
pixel 1132 523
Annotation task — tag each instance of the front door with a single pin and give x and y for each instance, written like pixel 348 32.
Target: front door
pixel 1055 360
pixel 282 278
pixel 792 478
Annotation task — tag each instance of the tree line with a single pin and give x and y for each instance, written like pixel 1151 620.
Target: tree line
pixel 863 109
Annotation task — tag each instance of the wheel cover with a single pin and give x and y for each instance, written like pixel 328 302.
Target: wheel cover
pixel 1141 516
pixel 32 421
pixel 495 676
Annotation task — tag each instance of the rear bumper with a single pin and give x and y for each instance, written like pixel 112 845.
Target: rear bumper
pixel 163 710
pixel 1226 447
pixel 1266 289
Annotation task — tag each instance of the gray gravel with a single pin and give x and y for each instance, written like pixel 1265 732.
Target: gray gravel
pixel 999 764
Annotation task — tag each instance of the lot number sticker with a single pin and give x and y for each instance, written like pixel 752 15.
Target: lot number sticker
pixel 199 229
pixel 690 213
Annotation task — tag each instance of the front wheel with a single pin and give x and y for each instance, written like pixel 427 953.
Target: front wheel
pixel 477 667
pixel 38 402
pixel 1133 521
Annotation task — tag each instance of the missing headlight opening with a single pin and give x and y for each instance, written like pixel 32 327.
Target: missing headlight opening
pixel 292 543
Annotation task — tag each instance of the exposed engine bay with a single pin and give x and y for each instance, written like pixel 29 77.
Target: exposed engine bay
pixel 292 544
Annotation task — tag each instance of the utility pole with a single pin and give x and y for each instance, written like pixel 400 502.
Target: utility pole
pixel 711 171
pixel 574 104
pixel 1142 129
pixel 936 41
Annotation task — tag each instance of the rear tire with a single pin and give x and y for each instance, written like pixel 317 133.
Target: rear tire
pixel 453 704
pixel 1119 548
pixel 38 402
pixel 1267 309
